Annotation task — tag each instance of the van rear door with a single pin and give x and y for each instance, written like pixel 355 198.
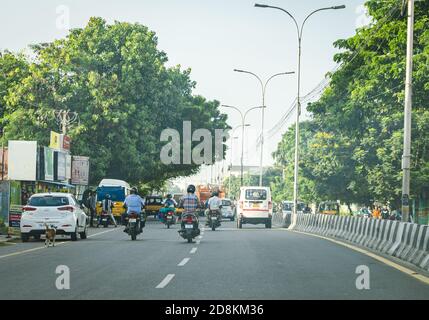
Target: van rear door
pixel 256 202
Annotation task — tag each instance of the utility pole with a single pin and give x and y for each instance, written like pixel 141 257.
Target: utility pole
pixel 406 159
pixel 65 118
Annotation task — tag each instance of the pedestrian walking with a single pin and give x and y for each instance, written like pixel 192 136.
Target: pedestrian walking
pixel 92 207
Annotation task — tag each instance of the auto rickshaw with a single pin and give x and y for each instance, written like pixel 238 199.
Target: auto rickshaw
pixel 329 208
pixel 118 191
pixel 153 204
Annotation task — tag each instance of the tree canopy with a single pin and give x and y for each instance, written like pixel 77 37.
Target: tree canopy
pixel 116 79
pixel 352 147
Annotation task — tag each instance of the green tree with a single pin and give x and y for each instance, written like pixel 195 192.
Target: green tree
pixel 354 151
pixel 116 79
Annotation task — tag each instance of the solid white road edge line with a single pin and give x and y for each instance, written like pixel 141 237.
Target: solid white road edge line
pixel 392 264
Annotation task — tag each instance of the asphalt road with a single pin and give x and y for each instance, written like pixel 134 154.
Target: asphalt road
pixel 252 263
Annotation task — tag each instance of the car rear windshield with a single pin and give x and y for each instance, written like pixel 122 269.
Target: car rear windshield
pixel 154 200
pixel 48 201
pixel 256 194
pixel 226 203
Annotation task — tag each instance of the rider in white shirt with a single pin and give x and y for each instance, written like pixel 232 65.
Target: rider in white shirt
pixel 214 203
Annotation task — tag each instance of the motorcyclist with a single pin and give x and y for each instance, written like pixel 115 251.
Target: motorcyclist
pixel 134 203
pixel 107 206
pixel 190 201
pixel 385 213
pixel 213 204
pixel 170 201
pixel 167 204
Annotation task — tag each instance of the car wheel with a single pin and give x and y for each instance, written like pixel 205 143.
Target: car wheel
pixel 239 224
pixel 83 234
pixel 74 235
pixel 37 237
pixel 268 225
pixel 232 219
pixel 24 237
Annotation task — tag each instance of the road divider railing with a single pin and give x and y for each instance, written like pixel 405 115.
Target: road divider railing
pixel 406 241
pixel 281 219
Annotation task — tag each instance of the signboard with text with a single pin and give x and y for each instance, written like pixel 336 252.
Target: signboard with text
pixel 55 140
pixel 49 163
pixel 60 166
pixel 80 170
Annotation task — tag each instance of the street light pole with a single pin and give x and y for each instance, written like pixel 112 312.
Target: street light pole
pixel 243 121
pixel 264 90
pixel 298 113
pixel 231 153
pixel 406 160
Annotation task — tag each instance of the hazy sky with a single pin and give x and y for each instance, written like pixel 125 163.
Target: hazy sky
pixel 212 37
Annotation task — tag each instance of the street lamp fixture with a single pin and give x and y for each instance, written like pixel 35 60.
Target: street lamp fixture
pixel 299 30
pixel 264 90
pixel 243 125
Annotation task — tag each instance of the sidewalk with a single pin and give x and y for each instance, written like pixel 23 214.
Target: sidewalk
pixel 3 238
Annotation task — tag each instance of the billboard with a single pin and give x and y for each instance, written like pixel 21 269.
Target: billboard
pixel 55 140
pixel 80 170
pixel 66 142
pixel 48 163
pixel 60 166
pixel 22 160
pixel 68 166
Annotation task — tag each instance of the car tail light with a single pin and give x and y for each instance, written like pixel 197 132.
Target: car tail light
pixel 68 208
pixel 26 209
pixel 241 204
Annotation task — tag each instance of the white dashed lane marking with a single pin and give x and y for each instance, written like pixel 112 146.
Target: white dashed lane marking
pixel 194 250
pixel 165 282
pixel 183 262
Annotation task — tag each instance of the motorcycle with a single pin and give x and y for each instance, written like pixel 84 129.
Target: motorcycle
pixel 189 227
pixel 168 216
pixel 104 219
pixel 214 219
pixel 134 224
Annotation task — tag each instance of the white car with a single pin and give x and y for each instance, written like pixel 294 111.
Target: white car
pixel 60 210
pixel 287 207
pixel 227 211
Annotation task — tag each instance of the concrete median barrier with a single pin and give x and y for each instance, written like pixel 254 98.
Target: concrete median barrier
pixel 406 241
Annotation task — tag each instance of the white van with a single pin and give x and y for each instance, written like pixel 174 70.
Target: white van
pixel 255 206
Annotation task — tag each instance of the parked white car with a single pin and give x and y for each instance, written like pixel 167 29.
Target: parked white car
pixel 60 210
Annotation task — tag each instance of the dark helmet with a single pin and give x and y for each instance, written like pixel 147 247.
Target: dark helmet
pixel 108 196
pixel 215 194
pixel 169 196
pixel 134 190
pixel 191 188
